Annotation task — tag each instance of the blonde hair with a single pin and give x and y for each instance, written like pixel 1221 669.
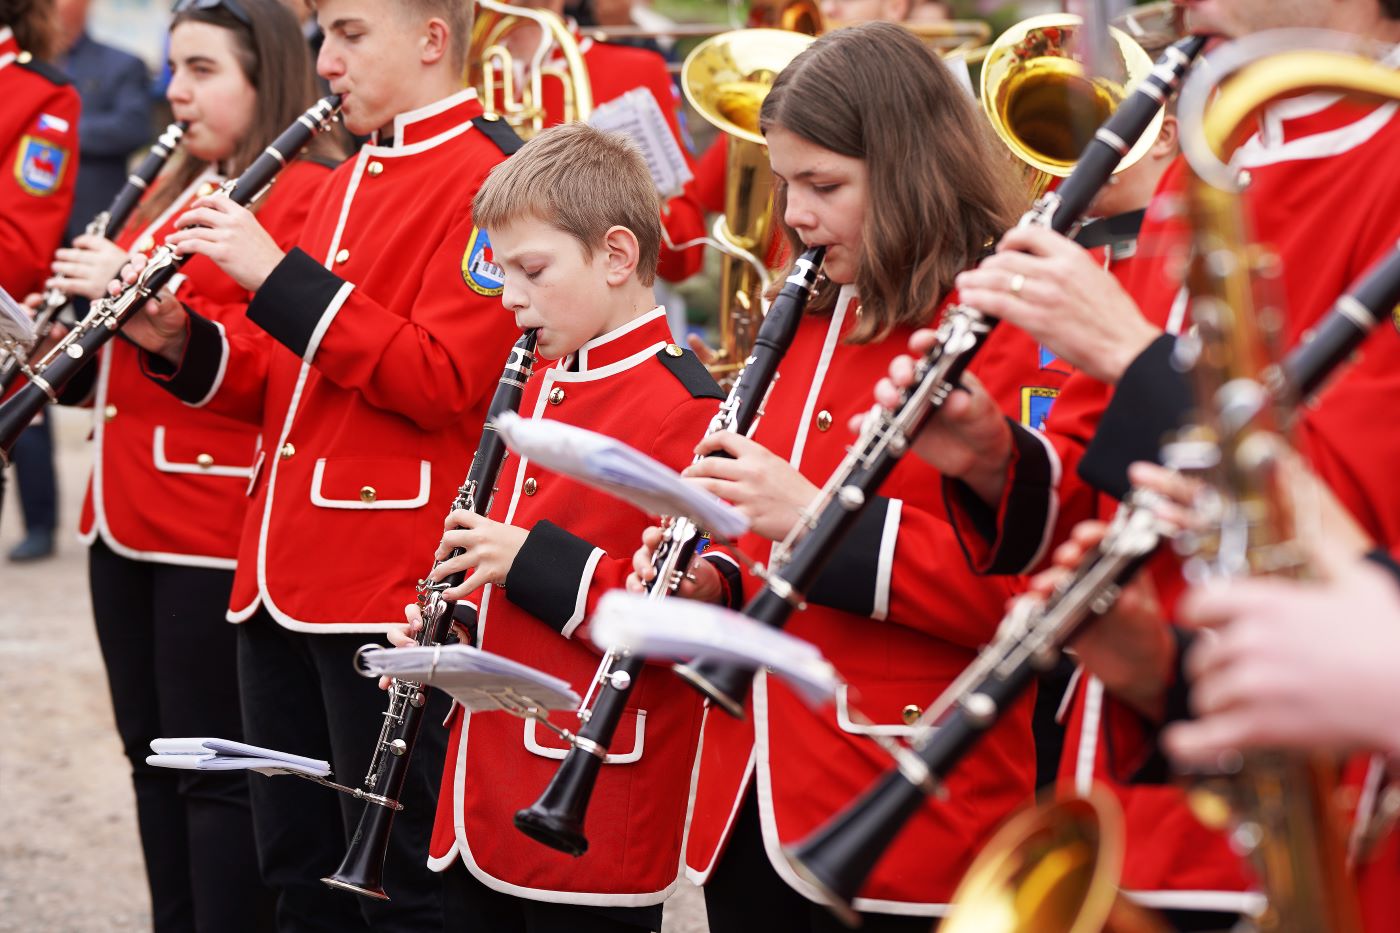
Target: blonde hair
pixel 580 181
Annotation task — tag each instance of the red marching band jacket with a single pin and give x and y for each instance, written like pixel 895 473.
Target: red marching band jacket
pixel 39 136
pixel 1316 165
pixel 369 385
pixel 900 615
pixel 634 385
pixel 169 482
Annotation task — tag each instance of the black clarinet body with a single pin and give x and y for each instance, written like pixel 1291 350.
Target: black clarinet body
pixel 104 224
pixel 362 869
pixel 556 818
pixel 962 332
pixel 81 345
pixel 839 856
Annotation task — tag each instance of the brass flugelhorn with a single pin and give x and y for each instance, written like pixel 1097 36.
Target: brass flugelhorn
pixel 500 34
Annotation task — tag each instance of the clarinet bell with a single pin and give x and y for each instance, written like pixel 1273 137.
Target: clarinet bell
pixel 556 819
pixel 724 684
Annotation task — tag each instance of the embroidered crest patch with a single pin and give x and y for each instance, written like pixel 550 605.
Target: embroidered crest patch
pixel 479 269
pixel 1035 405
pixel 1395 317
pixel 39 166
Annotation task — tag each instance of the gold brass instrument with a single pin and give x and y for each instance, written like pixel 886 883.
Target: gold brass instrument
pixel 1051 869
pixel 1284 809
pixel 800 16
pixel 726 79
pixel 1042 104
pixel 512 86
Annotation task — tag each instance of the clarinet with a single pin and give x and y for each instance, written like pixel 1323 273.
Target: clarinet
pixel 886 434
pixel 103 225
pixel 362 869
pixel 556 818
pixel 839 856
pixel 106 317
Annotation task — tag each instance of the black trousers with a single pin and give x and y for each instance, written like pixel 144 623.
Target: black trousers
pixel 171 671
pixel 472 906
pixel 38 489
pixel 301 695
pixel 745 894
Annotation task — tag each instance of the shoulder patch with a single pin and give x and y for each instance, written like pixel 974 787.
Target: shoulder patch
pixel 499 132
pixel 40 165
pixel 1036 402
pixel 690 372
pixel 479 269
pixel 52 73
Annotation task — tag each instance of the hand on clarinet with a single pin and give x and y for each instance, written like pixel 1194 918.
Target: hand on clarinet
pixel 231 236
pixel 488 551
pixel 85 268
pixel 762 485
pixel 161 326
pixel 968 439
pixel 404 636
pixel 1056 291
pixel 701 583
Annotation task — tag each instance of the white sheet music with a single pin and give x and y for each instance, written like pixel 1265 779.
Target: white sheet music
pixel 638 116
pixel 15 325
pixel 213 754
pixel 681 629
pixel 610 465
pixel 479 680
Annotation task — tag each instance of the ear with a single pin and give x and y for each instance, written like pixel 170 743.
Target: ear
pixel 1167 143
pixel 435 41
pixel 620 255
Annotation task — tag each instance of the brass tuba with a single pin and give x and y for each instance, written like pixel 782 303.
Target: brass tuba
pixel 725 79
pixel 513 88
pixel 1044 107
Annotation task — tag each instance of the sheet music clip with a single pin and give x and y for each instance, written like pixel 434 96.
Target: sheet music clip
pixel 681 629
pixel 479 680
pixel 621 471
pixel 16 328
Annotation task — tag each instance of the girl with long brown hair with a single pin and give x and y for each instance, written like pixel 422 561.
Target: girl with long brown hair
pixel 881 157
pixel 165 503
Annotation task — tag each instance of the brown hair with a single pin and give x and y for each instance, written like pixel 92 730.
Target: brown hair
pixel 940 188
pixel 581 181
pixel 458 15
pixel 276 61
pixel 32 22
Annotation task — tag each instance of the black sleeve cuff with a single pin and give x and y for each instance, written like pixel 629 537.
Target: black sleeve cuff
pixel 731 578
pixel 1152 400
pixel 851 579
pixel 294 299
pixel 193 379
pixel 1387 562
pixel 549 576
pixel 1016 532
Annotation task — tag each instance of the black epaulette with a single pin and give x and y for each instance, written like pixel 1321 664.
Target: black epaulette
pixel 690 372
pixel 1118 232
pixel 499 132
pixel 52 73
pixel 323 160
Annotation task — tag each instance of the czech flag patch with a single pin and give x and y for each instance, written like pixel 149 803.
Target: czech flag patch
pixel 39 166
pixel 479 269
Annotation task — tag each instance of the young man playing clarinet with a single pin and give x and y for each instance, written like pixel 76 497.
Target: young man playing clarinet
pixel 381 337
pixel 574 222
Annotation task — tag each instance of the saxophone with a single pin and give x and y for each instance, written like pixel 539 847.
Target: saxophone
pixel 1281 802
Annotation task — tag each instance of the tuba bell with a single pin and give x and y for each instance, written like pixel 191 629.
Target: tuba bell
pixel 726 79
pixel 514 53
pixel 1044 107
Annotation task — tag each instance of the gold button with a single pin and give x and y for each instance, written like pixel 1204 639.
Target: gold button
pixel 556 395
pixel 207 189
pixel 146 244
pixel 673 350
pixel 204 460
pixel 490 117
pixel 109 412
pixel 375 169
pixel 531 486
pixel 287 452
pixel 24 58
pixel 910 714
pixel 367 494
pixel 1245 179
pixel 342 256
pixel 823 420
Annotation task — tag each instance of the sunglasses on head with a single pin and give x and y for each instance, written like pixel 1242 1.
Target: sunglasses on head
pixel 232 6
